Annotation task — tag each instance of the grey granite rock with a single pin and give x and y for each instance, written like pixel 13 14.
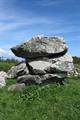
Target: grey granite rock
pixel 41 46
pixel 3 76
pixel 29 79
pixel 56 65
pixel 46 60
pixel 18 70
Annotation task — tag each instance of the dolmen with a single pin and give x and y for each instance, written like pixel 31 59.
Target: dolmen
pixel 46 61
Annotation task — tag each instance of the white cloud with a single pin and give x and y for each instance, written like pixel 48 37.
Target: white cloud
pixel 18 24
pixel 2 52
pixel 46 3
pixel 5 53
pixel 66 29
pixel 9 22
pixel 14 20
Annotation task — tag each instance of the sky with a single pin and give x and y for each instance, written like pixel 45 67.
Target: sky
pixel 20 20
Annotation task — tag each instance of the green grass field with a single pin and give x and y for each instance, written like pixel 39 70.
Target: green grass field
pixel 49 102
pixel 6 65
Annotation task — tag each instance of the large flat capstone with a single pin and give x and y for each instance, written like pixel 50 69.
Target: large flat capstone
pixel 41 46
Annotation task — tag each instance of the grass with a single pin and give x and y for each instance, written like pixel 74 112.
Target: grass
pixel 6 65
pixel 77 66
pixel 49 102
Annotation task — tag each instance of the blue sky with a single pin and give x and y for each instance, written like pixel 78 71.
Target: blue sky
pixel 22 19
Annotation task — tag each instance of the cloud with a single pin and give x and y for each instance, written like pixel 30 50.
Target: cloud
pixel 46 3
pixel 66 29
pixel 49 3
pixel 22 19
pixel 11 21
pixel 8 22
pixel 2 52
pixel 6 53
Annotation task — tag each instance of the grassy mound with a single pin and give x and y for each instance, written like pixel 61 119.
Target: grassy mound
pixel 50 102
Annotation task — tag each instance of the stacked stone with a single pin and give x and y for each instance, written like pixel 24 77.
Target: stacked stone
pixel 46 60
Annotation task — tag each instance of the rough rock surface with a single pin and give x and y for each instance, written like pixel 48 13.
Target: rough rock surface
pixel 55 65
pixel 20 69
pixel 38 79
pixel 41 46
pixel 3 76
pixel 77 71
pixel 46 60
